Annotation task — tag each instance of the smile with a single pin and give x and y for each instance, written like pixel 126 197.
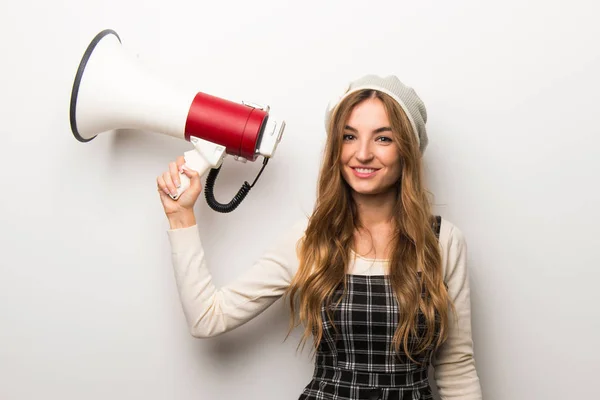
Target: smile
pixel 364 172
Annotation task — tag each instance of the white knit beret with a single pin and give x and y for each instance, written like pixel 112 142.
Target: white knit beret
pixel 404 95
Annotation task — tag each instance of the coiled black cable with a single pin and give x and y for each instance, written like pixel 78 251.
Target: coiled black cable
pixel 237 199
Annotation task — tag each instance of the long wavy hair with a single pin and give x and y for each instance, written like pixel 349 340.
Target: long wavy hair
pixel 325 250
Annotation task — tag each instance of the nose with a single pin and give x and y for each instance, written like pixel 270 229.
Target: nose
pixel 364 152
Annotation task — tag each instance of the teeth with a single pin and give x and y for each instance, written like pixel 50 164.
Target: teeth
pixel 364 170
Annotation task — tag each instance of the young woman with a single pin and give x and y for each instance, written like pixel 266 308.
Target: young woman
pixel 378 282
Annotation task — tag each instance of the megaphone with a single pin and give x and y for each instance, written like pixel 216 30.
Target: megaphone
pixel 113 90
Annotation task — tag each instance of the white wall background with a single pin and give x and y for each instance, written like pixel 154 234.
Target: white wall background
pixel 88 304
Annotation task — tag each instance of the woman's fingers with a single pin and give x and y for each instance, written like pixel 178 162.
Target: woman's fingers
pixel 169 183
pixel 170 180
pixel 174 170
pixel 180 162
pixel 162 185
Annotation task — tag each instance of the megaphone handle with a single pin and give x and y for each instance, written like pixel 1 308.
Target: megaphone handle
pixel 206 155
pixel 194 161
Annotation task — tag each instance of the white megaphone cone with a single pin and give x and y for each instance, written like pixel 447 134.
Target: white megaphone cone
pixel 112 90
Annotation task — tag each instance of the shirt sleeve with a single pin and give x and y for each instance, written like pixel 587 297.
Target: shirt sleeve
pixel 454 363
pixel 211 311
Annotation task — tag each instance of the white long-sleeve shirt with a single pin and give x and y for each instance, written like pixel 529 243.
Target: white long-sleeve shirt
pixel 211 311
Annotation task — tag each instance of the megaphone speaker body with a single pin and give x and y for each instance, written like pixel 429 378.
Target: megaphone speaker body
pixel 113 91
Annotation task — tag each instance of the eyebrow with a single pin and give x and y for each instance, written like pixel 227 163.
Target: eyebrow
pixel 378 130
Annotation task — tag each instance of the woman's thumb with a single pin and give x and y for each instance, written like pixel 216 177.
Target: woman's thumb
pixel 193 175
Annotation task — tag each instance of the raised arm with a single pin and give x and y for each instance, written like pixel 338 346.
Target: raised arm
pixel 454 363
pixel 211 311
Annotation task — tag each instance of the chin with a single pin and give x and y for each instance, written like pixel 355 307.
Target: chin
pixel 370 188
pixel 368 191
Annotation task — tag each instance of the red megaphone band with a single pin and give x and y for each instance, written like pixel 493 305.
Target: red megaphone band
pixel 236 126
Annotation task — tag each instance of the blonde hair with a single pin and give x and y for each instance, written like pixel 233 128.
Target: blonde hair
pixel 324 251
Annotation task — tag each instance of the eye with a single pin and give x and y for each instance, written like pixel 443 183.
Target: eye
pixel 348 136
pixel 384 139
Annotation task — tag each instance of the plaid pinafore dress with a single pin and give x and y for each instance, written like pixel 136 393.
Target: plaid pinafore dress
pixel 360 363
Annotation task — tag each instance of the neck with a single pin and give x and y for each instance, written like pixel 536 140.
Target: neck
pixel 374 210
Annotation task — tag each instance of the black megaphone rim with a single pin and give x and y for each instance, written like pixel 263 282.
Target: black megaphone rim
pixel 79 76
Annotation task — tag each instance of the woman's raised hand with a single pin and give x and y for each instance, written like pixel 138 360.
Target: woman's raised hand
pixel 178 211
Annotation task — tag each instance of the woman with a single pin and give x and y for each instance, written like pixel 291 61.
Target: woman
pixel 379 283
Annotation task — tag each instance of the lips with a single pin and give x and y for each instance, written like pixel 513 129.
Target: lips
pixel 362 172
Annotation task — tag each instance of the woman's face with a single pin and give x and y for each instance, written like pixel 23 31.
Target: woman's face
pixel 370 160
